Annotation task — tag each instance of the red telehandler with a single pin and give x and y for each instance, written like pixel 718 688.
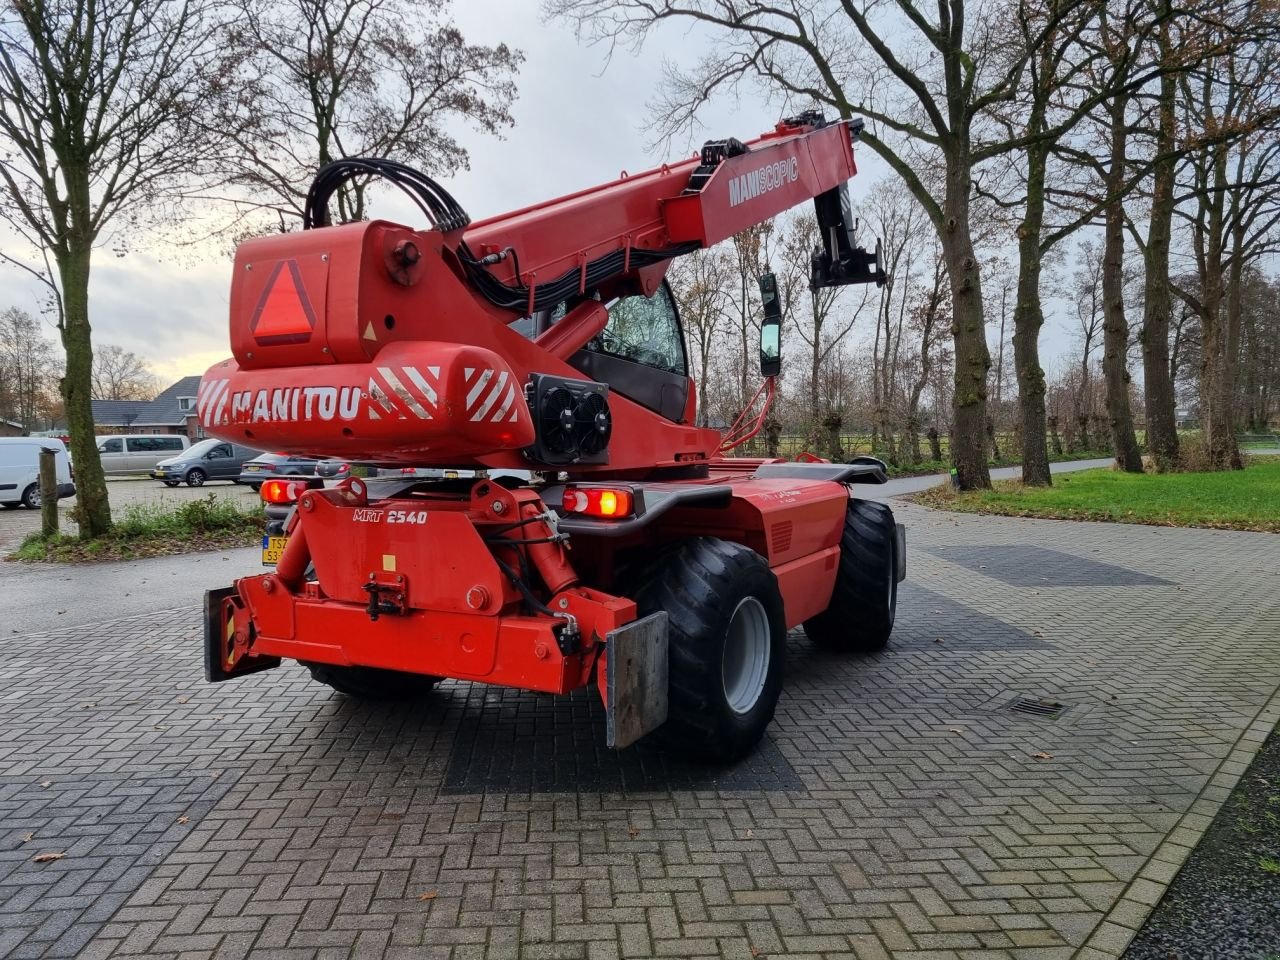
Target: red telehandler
pixel 639 557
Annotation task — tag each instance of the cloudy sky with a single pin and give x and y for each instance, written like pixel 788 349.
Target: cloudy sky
pixel 579 121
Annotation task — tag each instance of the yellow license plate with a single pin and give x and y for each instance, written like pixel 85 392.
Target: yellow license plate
pixel 272 548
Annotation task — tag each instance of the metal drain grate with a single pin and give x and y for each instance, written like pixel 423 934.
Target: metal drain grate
pixel 1037 707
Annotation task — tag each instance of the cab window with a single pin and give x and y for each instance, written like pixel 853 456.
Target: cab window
pixel 645 330
pixel 111 446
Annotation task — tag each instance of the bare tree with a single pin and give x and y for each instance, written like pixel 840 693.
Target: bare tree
pixel 120 374
pixel 98 124
pixel 324 79
pixel 750 259
pixel 28 368
pixel 1087 295
pixel 701 284
pixel 1233 213
pixel 925 76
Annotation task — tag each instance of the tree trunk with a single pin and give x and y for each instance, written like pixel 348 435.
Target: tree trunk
pixel 1115 339
pixel 935 445
pixel 1028 318
pixel 1054 437
pixel 968 331
pixel 93 509
pixel 1162 427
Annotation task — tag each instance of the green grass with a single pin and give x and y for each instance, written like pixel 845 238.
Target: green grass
pixel 1236 500
pixel 1269 865
pixel 209 523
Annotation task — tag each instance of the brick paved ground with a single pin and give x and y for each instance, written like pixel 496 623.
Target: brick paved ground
pixel 900 807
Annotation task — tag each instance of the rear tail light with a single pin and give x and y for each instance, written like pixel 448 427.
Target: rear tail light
pixel 608 502
pixel 282 491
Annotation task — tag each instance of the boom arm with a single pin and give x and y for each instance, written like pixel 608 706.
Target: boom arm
pixel 375 341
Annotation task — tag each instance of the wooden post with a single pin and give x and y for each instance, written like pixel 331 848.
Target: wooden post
pixel 48 493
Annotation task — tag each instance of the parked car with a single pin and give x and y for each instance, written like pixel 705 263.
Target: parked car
pixel 335 469
pixel 270 465
pixel 20 470
pixel 207 460
pixel 137 453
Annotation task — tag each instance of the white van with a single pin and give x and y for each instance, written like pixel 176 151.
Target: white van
pixel 20 470
pixel 138 452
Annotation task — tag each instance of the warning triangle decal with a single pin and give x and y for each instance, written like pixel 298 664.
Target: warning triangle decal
pixel 284 314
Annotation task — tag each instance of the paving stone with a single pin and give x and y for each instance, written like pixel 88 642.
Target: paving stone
pixel 898 808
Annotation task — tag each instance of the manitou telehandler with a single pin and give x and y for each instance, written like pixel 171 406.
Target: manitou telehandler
pixel 639 557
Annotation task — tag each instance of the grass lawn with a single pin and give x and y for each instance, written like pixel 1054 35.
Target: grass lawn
pixel 151 531
pixel 1238 500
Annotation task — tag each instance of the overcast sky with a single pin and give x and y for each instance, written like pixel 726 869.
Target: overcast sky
pixel 579 121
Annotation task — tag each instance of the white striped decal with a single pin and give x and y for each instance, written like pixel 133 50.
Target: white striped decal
pixel 379 396
pixel 421 383
pixel 506 405
pixel 490 400
pixel 215 399
pixel 401 391
pixel 478 387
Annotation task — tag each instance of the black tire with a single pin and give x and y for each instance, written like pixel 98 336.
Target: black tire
pixel 864 603
pixel 195 477
pixel 701 584
pixel 372 683
pixel 171 483
pixel 31 497
pixel 255 487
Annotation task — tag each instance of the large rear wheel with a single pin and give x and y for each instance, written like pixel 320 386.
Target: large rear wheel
pixel 372 683
pixel 864 603
pixel 726 643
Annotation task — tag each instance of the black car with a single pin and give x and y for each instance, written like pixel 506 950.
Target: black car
pixel 334 469
pixel 271 465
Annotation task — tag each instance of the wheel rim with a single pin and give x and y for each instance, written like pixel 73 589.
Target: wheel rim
pixel 35 497
pixel 747 651
pixel 196 478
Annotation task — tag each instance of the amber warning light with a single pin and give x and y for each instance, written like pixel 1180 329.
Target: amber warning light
pixel 608 502
pixel 281 491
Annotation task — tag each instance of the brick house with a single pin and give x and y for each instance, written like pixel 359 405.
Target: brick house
pixel 173 411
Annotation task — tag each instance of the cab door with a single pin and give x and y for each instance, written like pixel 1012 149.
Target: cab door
pixel 641 354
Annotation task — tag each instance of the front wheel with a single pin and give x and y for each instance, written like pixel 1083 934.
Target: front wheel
pixel 171 483
pixel 195 478
pixel 31 497
pixel 372 683
pixel 726 644
pixel 864 602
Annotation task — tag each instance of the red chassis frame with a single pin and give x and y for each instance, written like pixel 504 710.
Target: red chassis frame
pixel 368 342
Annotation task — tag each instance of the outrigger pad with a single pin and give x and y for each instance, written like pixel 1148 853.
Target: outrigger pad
pixel 217 642
pixel 636 665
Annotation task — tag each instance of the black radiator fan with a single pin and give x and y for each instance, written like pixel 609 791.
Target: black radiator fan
pixel 572 420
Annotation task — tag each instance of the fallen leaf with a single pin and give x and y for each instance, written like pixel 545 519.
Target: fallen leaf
pixel 28 837
pixel 47 857
pixel 46 783
pixel 750 833
pixel 184 819
pixel 633 831
pixel 1043 756
pixel 183 699
pixel 939 640
pixel 956 730
pixel 755 951
pixel 428 895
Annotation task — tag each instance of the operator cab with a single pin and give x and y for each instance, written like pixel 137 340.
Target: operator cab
pixel 640 353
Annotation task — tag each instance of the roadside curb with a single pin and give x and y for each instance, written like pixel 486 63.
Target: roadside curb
pixel 1112 935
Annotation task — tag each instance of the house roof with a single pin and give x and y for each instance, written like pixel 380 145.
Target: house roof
pixel 163 411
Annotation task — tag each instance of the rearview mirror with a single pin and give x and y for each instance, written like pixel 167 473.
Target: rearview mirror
pixel 770 327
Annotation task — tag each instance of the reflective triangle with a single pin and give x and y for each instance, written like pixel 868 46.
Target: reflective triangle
pixel 284 313
pixel 369 333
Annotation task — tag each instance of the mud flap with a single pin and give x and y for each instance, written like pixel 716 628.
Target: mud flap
pixel 636 666
pixel 899 552
pixel 219 640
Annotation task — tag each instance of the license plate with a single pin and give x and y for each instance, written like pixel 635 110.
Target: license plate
pixel 272 548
